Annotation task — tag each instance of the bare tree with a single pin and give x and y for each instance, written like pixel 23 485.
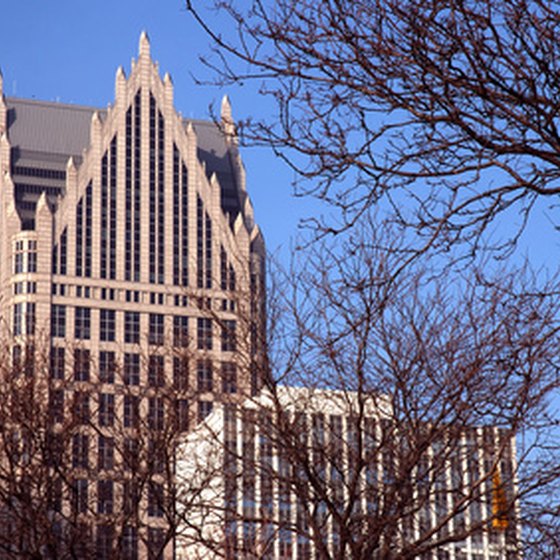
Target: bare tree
pixel 451 106
pixel 87 453
pixel 407 418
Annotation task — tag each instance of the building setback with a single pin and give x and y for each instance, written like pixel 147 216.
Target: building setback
pixel 131 294
pixel 302 473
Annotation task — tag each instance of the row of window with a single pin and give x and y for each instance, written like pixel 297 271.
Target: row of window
pixel 107 368
pixel 156 328
pixel 106 416
pixel 132 296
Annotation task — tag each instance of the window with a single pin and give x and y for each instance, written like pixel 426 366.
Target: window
pixel 155 413
pixel 132 327
pixel 80 451
pixel 105 453
pixel 105 496
pixel 180 331
pixel 182 415
pixel 54 494
pixel 57 363
pixel 107 367
pixel 157 455
pixel 58 321
pixel 18 263
pixel 204 376
pixel 229 377
pixel 131 457
pixel 130 543
pixel 229 342
pixel 105 536
pixel 156 332
pixel 131 411
pixel 204 409
pixel 56 405
pixel 17 327
pixel 106 409
pixel 131 369
pixel 81 364
pixel 180 373
pixel 156 543
pixel 80 496
pixel 155 371
pixel 81 407
pixel 107 325
pixel 82 323
pixel 32 261
pixel 155 499
pixel 204 333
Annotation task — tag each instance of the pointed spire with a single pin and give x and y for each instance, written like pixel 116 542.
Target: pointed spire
pixel 144 45
pixel 168 87
pixel 120 84
pixel 42 202
pixel 227 120
pixel 120 74
pixel 70 165
pixel 226 109
pixel 1 84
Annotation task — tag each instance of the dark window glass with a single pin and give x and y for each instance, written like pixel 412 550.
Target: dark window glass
pixel 57 362
pixel 155 499
pixel 130 543
pixel 204 376
pixel 131 411
pixel 180 373
pixel 80 451
pixel 105 453
pixel 204 409
pixel 204 333
pixel 17 325
pixel 105 496
pixel 131 369
pixel 131 458
pixel 132 327
pixel 180 331
pixel 81 407
pixel 156 543
pixel 182 415
pixel 56 405
pixel 81 364
pixel 155 413
pixel 155 371
pixel 105 533
pixel 58 321
pixel 107 366
pixel 107 325
pixel 80 496
pixel 106 409
pixel 229 377
pixel 82 323
pixel 156 329
pixel 229 336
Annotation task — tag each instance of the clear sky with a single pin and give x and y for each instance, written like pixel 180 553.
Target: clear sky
pixel 69 50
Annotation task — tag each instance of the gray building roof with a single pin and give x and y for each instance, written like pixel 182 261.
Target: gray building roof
pixel 45 134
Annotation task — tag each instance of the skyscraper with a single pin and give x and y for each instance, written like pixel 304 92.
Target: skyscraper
pixel 131 295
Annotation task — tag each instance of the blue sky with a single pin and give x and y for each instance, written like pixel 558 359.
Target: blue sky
pixel 69 51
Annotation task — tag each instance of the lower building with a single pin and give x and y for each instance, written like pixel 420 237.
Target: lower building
pixel 303 474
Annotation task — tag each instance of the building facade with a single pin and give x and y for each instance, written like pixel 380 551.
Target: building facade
pixel 131 299
pixel 305 474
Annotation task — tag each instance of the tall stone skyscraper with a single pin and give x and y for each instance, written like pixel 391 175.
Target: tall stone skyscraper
pixel 131 299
